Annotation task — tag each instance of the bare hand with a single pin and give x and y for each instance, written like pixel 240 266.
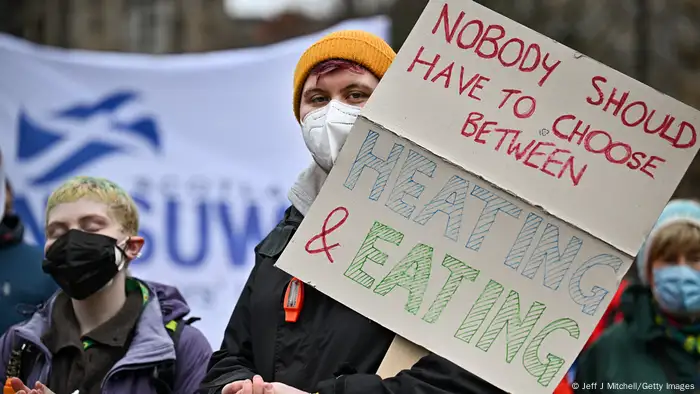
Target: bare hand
pixel 40 388
pixel 281 388
pixel 20 388
pixel 256 386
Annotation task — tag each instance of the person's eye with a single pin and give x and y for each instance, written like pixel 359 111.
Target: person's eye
pixel 357 96
pixel 55 232
pixel 92 227
pixel 319 99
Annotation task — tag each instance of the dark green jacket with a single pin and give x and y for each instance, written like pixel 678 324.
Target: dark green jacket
pixel 627 358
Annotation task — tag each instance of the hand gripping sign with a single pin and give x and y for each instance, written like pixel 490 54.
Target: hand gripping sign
pixel 494 189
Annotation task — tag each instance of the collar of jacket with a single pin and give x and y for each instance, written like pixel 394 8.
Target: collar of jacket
pixel 639 314
pixel 150 345
pixel 273 245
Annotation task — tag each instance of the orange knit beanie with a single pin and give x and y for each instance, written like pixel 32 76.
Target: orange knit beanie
pixel 356 46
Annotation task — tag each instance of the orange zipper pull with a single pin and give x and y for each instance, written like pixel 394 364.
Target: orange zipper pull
pixel 8 387
pixel 293 300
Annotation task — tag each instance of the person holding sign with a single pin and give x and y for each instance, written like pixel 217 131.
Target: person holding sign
pixel 284 336
pixel 657 346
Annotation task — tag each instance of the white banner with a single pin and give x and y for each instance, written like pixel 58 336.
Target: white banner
pixel 206 143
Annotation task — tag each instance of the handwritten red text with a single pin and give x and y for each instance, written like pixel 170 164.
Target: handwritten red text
pixel 569 128
pixel 633 113
pixel 523 107
pixel 545 156
pixel 490 42
pixel 473 82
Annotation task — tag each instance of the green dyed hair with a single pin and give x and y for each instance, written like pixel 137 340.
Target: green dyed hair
pixel 121 205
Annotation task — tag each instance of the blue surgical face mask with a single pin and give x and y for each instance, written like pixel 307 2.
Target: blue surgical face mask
pixel 677 289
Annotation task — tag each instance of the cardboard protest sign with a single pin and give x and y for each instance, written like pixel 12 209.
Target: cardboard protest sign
pixel 591 145
pixel 462 214
pixel 453 263
pixel 402 354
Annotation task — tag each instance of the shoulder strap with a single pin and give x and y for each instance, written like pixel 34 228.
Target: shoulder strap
pixel 164 373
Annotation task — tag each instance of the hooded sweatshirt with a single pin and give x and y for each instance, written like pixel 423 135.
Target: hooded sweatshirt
pixel 307 187
pixel 151 345
pixel 24 287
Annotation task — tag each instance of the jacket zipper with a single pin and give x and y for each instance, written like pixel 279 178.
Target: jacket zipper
pixel 44 371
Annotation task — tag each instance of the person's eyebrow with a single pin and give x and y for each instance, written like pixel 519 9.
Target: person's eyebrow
pixel 357 85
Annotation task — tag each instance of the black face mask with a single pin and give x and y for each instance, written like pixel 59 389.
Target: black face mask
pixel 82 263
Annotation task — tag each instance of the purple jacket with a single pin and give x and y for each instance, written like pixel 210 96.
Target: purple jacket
pixel 150 345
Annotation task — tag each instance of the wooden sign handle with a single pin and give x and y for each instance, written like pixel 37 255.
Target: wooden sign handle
pixel 402 354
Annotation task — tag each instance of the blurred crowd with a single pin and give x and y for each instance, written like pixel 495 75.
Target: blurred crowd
pixel 79 322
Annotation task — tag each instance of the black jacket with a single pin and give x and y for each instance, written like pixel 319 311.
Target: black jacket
pixel 330 349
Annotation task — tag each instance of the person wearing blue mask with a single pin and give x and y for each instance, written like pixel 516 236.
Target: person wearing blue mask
pixel 657 345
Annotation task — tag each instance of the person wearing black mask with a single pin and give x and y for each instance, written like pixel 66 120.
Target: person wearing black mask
pixel 23 286
pixel 104 331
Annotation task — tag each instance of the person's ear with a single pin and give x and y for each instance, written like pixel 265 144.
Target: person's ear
pixel 133 247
